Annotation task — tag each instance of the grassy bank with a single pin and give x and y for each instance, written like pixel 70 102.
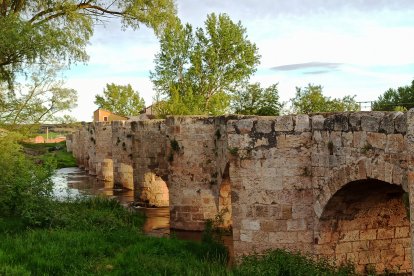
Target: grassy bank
pixel 54 151
pixel 99 237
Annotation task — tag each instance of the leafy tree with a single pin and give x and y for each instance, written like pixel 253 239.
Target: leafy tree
pixel 252 99
pixel 40 99
pixel 399 99
pixel 121 100
pixel 40 31
pixel 195 71
pixel 311 99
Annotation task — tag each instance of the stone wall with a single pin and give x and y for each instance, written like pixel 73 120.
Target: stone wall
pixel 285 170
pixel 122 155
pixel 149 162
pixel 197 150
pixel 103 150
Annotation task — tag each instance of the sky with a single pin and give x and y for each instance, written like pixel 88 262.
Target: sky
pixel 350 47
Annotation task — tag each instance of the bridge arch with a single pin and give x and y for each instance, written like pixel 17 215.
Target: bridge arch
pixel 364 169
pixel 366 222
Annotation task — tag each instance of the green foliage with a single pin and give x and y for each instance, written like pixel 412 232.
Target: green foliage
pixel 25 187
pixel 196 71
pixel 251 99
pixel 38 100
pixel 234 151
pixel 400 99
pixel 99 236
pixel 280 262
pixel 121 100
pixel 311 99
pixel 40 31
pixel 50 152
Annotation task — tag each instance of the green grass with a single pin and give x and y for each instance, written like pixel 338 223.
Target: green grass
pixel 98 236
pixel 50 151
pixel 280 262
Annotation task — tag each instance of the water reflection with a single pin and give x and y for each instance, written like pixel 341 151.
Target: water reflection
pixel 74 182
pixel 71 183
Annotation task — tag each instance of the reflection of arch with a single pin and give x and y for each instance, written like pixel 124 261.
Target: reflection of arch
pixel 365 222
pixel 365 168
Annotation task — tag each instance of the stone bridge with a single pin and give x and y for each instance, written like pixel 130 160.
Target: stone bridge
pixel 332 185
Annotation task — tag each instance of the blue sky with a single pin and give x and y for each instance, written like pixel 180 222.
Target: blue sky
pixel 352 47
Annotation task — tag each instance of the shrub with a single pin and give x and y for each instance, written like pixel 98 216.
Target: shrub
pixel 26 187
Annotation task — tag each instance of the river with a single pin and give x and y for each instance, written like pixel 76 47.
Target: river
pixel 75 182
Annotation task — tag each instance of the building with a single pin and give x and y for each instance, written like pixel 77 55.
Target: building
pixel 102 115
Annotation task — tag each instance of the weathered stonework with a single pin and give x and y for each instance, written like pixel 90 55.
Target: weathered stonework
pixel 332 185
pixel 197 160
pixel 122 155
pixel 149 162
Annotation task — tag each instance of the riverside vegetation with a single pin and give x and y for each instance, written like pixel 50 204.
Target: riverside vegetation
pixel 84 236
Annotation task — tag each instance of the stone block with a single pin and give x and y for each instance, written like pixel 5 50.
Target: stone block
pixel 302 123
pixel 283 237
pixel 400 123
pixel 249 224
pixel 395 143
pixel 284 123
pixel 350 235
pixel 402 232
pixel 244 126
pixel 273 225
pixel 296 224
pixel 376 140
pixel 355 121
pixel 371 121
pixel 264 125
pixel 343 247
pixel 246 236
pixel 341 122
pixel 369 234
pixel 387 122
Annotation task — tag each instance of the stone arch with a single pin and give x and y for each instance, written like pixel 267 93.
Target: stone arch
pixel 365 222
pixel 363 169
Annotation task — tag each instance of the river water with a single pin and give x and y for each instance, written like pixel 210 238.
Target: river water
pixel 75 182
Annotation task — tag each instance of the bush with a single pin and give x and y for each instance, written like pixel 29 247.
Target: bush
pixel 26 187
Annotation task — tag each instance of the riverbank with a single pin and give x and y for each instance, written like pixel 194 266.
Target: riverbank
pixel 100 237
pixel 44 152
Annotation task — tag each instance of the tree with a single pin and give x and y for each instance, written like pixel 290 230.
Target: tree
pixel 40 31
pixel 311 99
pixel 252 99
pixel 121 100
pixel 195 72
pixel 40 99
pixel 399 99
